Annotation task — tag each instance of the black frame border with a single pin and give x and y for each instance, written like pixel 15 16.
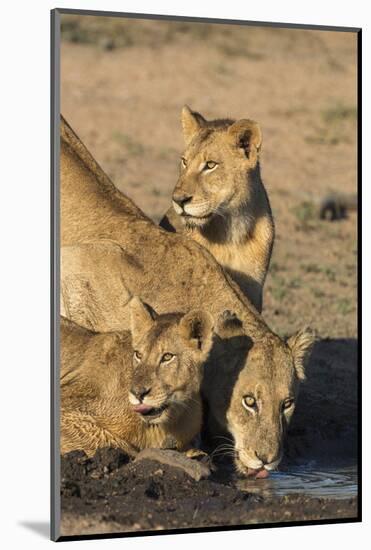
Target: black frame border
pixel 55 270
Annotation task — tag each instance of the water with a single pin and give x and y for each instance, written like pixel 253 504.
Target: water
pixel 339 483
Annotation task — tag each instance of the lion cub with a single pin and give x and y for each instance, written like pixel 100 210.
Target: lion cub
pixel 134 391
pixel 220 201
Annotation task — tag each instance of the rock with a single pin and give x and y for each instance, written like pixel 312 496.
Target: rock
pixel 196 470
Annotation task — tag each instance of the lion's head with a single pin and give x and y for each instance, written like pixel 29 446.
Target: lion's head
pixel 220 156
pixel 255 394
pixel 169 352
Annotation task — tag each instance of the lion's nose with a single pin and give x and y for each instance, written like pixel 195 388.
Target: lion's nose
pixel 141 392
pixel 263 457
pixel 267 458
pixel 181 198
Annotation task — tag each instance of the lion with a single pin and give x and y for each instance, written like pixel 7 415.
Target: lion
pixel 113 251
pixel 134 390
pixel 220 200
pixel 250 401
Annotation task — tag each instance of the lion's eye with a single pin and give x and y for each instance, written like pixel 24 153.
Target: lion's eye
pixel 137 355
pixel 287 403
pixel 184 162
pixel 210 165
pixel 167 357
pixel 249 402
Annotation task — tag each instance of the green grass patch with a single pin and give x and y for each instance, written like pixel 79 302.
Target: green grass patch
pixel 306 215
pixel 132 147
pixel 278 293
pixel 334 127
pixel 345 306
pixel 239 49
pixel 338 113
pixel 278 287
pixel 326 137
pixel 318 293
pixel 295 283
pixel 325 270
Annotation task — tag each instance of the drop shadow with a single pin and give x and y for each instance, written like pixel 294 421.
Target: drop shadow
pixel 41 528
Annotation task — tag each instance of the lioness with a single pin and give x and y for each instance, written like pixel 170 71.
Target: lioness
pixel 250 398
pixel 220 200
pixel 116 252
pixel 134 391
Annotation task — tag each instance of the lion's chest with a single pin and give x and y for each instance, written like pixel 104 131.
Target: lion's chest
pixel 242 253
pixel 242 258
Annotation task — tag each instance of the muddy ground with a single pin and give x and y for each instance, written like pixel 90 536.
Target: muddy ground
pixel 123 84
pixel 108 494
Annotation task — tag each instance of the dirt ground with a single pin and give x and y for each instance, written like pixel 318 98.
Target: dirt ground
pixel 123 86
pixel 108 494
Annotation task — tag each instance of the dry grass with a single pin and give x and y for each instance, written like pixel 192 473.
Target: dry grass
pixel 124 83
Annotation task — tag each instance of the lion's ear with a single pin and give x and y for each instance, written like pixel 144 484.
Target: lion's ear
pixel 229 325
pixel 197 329
pixel 301 345
pixel 142 317
pixel 246 135
pixel 192 123
pixel 230 329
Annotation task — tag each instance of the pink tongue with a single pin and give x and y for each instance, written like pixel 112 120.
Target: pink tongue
pixel 258 474
pixel 142 409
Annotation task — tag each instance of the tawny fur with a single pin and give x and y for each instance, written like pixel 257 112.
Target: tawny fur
pixel 114 252
pixel 232 215
pixel 111 251
pixel 236 368
pixel 98 372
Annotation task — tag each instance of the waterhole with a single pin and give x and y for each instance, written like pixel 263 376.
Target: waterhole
pixel 305 480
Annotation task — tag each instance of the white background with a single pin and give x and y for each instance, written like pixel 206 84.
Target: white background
pixel 24 267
